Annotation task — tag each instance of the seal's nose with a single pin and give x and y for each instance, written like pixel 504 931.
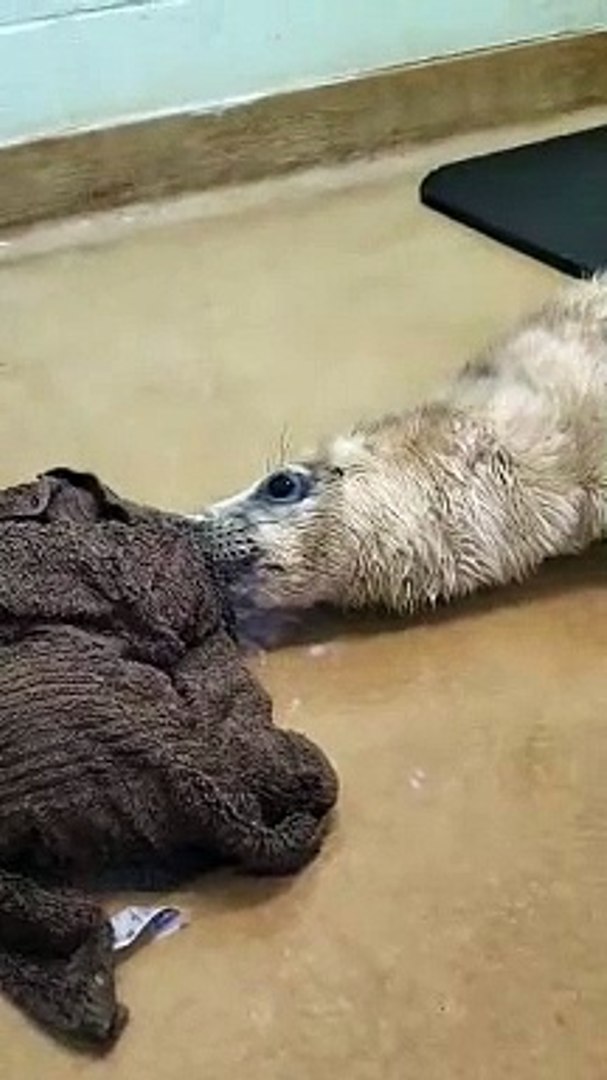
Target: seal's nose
pixel 227 539
pixel 207 528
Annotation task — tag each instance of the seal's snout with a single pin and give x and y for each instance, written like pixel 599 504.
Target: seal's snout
pixel 228 541
pixel 241 532
pixel 268 542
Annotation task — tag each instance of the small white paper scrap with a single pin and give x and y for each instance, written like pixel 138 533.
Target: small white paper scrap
pixel 131 922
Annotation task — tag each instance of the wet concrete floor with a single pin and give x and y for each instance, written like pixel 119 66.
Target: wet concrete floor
pixel 455 926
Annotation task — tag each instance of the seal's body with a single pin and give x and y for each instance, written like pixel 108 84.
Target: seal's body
pixel 477 488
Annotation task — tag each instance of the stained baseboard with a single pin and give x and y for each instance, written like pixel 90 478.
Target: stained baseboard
pixel 150 159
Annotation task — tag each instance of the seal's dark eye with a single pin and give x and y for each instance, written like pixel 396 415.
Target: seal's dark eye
pixel 285 486
pixel 281 485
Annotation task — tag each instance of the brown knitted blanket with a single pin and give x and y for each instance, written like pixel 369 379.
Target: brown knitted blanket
pixel 130 733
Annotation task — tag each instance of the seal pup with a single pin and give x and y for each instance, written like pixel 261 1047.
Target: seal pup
pixel 476 488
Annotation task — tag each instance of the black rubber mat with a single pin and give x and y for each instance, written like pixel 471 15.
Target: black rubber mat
pixel 546 199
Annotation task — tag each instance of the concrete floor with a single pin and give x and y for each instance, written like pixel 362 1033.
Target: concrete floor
pixel 455 926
